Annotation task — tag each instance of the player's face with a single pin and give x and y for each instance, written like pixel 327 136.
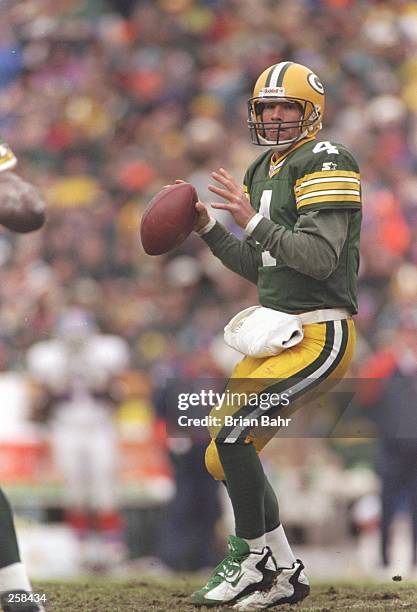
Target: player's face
pixel 279 112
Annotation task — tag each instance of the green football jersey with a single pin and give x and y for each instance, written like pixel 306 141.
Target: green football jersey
pixel 315 177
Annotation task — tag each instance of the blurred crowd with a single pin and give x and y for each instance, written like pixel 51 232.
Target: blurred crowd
pixel 105 102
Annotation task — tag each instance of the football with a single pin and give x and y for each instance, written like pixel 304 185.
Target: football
pixel 169 218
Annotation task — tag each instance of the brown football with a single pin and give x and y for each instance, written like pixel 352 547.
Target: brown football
pixel 169 218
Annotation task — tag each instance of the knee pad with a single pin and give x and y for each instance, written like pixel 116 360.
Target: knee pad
pixel 213 463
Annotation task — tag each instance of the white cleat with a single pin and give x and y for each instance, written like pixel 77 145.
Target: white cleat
pixel 289 587
pixel 242 572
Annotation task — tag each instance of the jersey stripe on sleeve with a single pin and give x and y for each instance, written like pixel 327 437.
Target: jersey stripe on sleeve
pixel 327 187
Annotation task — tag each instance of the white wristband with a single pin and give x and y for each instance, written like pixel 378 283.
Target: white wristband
pixel 252 223
pixel 209 226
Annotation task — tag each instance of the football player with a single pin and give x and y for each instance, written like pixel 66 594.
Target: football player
pixel 77 372
pixel 300 208
pixel 22 210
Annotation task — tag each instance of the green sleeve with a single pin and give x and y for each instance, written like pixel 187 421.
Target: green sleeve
pixel 313 247
pixel 240 256
pixel 328 180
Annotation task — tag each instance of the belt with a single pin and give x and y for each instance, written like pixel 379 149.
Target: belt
pixel 326 314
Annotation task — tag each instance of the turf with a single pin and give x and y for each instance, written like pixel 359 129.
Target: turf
pixel 108 595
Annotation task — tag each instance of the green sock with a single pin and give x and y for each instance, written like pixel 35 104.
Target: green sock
pixel 245 480
pixel 9 551
pixel 271 507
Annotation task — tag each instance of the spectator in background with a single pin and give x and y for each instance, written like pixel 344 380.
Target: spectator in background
pixel 76 373
pixel 389 397
pixel 195 509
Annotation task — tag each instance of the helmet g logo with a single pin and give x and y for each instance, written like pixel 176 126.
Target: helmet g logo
pixel 315 83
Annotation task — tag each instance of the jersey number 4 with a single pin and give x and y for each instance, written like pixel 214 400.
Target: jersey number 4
pixel 265 210
pixel 325 146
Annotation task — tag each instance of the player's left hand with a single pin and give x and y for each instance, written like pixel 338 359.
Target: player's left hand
pixel 237 201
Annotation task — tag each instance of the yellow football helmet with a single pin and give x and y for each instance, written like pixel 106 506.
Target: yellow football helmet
pixel 286 81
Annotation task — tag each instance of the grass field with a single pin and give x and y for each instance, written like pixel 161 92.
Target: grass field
pixel 108 595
